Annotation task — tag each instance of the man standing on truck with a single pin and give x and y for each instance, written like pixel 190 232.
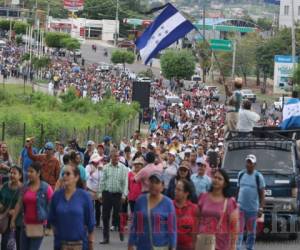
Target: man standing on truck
pixel 251 196
pixel 234 103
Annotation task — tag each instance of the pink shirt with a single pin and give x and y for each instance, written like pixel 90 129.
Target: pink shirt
pixel 29 202
pixel 210 214
pixel 145 173
pixel 134 188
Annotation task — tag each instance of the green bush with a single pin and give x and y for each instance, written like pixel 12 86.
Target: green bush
pixel 20 27
pixel 59 114
pixel 55 39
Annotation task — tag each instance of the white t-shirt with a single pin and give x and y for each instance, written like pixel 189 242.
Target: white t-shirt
pixel 247 120
pixel 93 180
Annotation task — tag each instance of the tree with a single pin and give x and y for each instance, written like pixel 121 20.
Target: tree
pixel 224 63
pixel 122 56
pixel 264 23
pixel 20 27
pixel 5 24
pixel 55 39
pixel 203 53
pixel 177 64
pixel 245 55
pixel 296 79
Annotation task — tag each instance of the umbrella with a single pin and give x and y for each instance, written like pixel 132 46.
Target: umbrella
pixel 76 69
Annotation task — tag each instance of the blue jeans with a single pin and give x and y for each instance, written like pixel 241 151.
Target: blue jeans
pixel 248 223
pixel 30 243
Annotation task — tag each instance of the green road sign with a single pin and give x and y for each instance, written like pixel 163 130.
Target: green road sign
pixel 221 45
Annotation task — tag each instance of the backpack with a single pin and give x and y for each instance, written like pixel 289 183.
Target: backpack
pixel 256 179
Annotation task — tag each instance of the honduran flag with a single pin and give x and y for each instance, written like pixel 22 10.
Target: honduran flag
pixel 291 114
pixel 167 28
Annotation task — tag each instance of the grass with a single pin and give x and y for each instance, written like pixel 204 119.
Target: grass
pixel 49 118
pixel 16 89
pixel 42 81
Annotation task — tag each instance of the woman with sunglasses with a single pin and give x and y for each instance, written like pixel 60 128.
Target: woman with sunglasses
pixel 183 173
pixel 219 213
pixel 5 163
pixel 9 196
pixel 72 213
pixel 34 203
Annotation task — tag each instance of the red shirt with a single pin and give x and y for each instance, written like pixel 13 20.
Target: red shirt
pixel 134 188
pixel 187 217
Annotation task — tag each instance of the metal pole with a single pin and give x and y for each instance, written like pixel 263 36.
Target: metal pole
pixel 35 18
pixel 3 131
pixel 10 28
pixel 117 19
pixel 233 59
pixel 24 133
pixel 293 35
pixel 203 32
pixel 48 14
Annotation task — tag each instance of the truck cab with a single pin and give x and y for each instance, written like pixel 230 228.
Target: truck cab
pixel 278 160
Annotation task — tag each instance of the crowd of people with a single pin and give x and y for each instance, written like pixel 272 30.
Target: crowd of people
pixel 166 189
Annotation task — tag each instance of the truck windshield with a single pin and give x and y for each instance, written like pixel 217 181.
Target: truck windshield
pixel 267 159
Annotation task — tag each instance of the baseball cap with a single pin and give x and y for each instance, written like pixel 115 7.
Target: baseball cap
pixel 90 143
pixel 49 145
pixel 29 138
pixel 251 158
pixel 139 160
pixel 171 152
pixel 183 166
pixel 106 138
pixel 95 158
pixel 156 176
pixel 200 160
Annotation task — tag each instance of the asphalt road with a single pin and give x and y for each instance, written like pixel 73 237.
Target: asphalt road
pixel 98 57
pixel 274 243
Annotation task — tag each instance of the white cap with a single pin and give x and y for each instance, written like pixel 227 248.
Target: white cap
pixel 95 158
pixel 251 158
pixel 172 152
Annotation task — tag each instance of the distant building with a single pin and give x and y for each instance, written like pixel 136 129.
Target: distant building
pixel 85 28
pixel 285 15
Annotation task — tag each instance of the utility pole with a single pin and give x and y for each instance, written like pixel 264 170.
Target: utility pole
pixel 203 32
pixel 48 14
pixel 35 18
pixel 293 35
pixel 117 20
pixel 233 59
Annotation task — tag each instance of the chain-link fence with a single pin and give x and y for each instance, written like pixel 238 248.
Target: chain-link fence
pixel 15 135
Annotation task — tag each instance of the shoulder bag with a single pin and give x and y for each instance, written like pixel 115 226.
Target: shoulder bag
pixel 150 228
pixel 4 217
pixel 208 241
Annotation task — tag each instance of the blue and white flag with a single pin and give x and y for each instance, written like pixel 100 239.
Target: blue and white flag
pixel 291 114
pixel 167 28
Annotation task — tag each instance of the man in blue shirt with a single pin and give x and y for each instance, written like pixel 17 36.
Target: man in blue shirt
pixel 24 159
pixel 251 195
pixel 201 181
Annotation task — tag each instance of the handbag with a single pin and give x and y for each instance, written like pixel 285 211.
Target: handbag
pixel 11 243
pixel 4 216
pixel 72 245
pixel 34 230
pixel 208 241
pixel 150 229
